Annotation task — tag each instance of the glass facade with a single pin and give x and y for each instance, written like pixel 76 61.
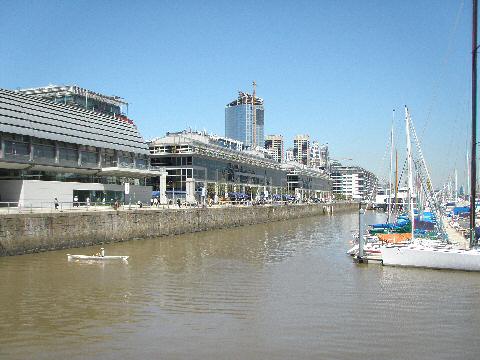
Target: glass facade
pixel 239 123
pixel 36 151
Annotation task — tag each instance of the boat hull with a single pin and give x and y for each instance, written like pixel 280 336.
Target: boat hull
pixel 468 260
pixel 96 258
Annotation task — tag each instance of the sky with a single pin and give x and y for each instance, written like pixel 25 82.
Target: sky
pixel 335 70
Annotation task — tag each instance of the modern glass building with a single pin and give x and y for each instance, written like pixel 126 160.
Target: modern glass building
pixel 218 164
pixel 53 150
pixel 239 120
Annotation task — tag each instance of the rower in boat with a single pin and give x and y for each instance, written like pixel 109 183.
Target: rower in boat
pixel 101 253
pixel 98 256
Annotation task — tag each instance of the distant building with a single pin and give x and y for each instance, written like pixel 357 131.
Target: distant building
pixel 274 145
pixel 289 155
pixel 194 160
pixel 319 156
pixel 353 182
pixel 315 159
pixel 239 120
pixel 301 149
pixel 324 157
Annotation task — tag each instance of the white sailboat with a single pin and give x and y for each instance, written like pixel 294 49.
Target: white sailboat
pixel 427 254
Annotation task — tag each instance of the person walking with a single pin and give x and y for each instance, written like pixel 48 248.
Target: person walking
pixel 203 195
pixel 55 202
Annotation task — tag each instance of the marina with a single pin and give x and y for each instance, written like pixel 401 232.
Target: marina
pixel 259 182
pixel 267 291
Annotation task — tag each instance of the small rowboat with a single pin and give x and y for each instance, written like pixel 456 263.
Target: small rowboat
pixel 96 258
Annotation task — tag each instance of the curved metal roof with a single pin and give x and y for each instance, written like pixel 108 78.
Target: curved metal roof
pixel 32 116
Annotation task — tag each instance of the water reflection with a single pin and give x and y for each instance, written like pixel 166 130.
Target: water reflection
pixel 279 290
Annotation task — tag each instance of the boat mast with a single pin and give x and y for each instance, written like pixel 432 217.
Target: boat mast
pixel 396 181
pixel 390 172
pixel 410 168
pixel 473 171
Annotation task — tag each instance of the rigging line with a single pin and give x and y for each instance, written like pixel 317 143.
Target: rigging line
pixel 403 171
pixel 445 61
pixel 383 160
pixel 455 134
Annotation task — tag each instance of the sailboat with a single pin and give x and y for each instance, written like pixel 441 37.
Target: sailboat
pixel 425 255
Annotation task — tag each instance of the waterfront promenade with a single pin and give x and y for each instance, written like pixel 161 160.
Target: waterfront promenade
pixel 36 231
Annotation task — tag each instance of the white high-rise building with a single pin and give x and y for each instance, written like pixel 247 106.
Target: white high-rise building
pixel 289 155
pixel 274 146
pixel 301 149
pixel 353 182
pixel 319 156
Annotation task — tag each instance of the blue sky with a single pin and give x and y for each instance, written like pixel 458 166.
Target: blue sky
pixel 332 69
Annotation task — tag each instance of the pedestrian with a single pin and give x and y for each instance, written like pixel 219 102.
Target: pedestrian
pixel 75 201
pixel 155 202
pixel 203 195
pixel 55 202
pixel 151 202
pixel 178 202
pixel 88 201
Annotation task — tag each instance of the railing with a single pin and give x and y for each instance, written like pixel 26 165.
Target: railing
pixel 17 157
pixel 49 207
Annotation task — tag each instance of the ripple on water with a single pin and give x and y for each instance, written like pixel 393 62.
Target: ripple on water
pixel 280 290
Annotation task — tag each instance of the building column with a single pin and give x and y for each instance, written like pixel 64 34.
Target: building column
pixel 190 191
pixel 30 146
pixel 99 157
pixel 2 147
pixel 79 155
pixel 162 187
pixel 57 153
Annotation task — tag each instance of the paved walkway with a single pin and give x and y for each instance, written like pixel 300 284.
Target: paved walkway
pixel 455 236
pixel 84 208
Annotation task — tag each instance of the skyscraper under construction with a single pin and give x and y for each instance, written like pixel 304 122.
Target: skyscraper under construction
pixel 240 120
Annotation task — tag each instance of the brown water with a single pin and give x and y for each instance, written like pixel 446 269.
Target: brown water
pixel 277 291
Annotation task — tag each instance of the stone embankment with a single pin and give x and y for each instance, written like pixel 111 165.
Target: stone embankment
pixel 36 232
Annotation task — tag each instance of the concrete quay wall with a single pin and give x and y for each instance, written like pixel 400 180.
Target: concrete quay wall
pixel 36 232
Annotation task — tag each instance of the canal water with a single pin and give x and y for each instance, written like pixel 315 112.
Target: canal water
pixel 283 290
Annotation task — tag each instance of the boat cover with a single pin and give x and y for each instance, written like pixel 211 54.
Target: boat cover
pixel 394 238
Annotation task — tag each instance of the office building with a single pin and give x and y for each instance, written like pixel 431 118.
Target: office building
pixel 319 156
pixel 353 182
pixel 301 149
pixel 239 120
pixel 289 155
pixel 55 150
pixel 274 145
pixel 193 160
